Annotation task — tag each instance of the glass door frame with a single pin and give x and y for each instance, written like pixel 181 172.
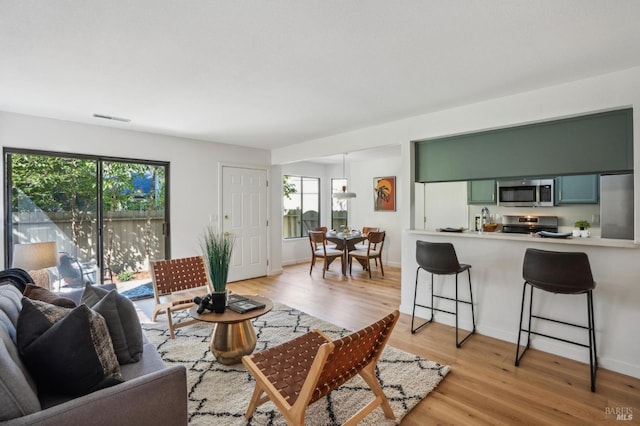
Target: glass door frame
pixel 99 159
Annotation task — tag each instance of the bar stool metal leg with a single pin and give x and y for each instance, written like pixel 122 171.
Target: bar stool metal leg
pixel 456 314
pixel 593 354
pixel 473 316
pixel 520 329
pixel 433 308
pixel 415 294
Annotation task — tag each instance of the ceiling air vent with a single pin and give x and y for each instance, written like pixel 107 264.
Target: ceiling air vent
pixel 110 117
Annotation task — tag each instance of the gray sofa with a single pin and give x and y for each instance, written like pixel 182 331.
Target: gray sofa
pixel 150 394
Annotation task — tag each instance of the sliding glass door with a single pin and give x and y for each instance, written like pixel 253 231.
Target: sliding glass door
pixel 107 216
pixel 133 211
pixel 54 198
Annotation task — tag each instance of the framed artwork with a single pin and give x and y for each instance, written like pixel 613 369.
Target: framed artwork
pixel 384 194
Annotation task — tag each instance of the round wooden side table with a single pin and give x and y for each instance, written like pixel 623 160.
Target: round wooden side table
pixel 233 334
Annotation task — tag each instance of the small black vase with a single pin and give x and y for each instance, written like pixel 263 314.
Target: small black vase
pixel 219 301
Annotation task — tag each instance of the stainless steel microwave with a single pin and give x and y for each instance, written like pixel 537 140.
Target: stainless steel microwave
pixel 526 193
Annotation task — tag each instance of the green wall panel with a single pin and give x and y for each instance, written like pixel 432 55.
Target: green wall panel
pixel 595 143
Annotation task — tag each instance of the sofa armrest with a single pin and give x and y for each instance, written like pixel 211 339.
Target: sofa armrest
pixel 156 398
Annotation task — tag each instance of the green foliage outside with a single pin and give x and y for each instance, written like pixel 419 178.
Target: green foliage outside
pixel 287 187
pixel 64 184
pixel 126 276
pixel 54 184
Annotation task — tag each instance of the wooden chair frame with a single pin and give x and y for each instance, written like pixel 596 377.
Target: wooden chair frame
pixel 299 372
pixel 365 244
pixel 319 248
pixel 175 283
pixel 372 252
pixel 324 229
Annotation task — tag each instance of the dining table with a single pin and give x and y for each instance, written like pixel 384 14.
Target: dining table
pixel 345 242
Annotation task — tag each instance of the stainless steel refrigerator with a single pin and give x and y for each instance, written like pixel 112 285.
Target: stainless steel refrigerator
pixel 616 206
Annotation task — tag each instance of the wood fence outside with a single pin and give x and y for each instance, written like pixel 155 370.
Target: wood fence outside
pixel 133 235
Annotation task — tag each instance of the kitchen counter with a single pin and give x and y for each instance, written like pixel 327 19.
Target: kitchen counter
pixel 591 241
pixel 496 276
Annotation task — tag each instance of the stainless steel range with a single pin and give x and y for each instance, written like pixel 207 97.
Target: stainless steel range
pixel 529 224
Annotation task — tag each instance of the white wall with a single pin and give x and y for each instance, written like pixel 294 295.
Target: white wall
pixel 193 165
pixel 362 212
pixel 194 177
pixel 606 92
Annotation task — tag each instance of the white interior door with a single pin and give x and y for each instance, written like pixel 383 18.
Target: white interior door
pixel 244 214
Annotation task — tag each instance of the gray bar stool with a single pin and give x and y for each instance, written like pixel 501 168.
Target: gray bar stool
pixel 441 259
pixel 560 273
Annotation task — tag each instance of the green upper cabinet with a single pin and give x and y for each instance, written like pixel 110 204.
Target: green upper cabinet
pixel 580 189
pixel 481 192
pixel 604 141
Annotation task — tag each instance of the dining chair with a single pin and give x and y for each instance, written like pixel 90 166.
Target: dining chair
pixel 373 251
pixel 325 230
pixel 365 233
pixel 319 249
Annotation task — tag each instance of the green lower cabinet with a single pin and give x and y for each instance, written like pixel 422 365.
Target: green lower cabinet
pixel 580 189
pixel 481 192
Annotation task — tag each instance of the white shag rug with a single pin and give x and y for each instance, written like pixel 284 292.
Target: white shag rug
pixel 219 394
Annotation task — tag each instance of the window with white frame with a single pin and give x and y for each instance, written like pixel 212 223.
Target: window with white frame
pixel 301 205
pixel 339 207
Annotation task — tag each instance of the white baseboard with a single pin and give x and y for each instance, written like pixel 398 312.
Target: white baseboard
pixel 295 261
pixel 540 343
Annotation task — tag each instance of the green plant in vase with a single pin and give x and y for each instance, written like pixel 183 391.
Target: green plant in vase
pixel 217 248
pixel 582 224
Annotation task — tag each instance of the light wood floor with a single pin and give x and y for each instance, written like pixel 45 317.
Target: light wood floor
pixel 483 387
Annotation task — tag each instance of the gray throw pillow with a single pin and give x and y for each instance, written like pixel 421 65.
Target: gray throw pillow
pixel 66 351
pixel 122 321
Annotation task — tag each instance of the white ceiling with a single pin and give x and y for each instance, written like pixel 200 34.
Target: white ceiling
pixel 272 73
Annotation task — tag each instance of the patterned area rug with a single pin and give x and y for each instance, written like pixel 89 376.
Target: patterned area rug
pixel 219 394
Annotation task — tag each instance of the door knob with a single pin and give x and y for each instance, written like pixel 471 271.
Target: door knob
pixel 226 216
pixel 226 234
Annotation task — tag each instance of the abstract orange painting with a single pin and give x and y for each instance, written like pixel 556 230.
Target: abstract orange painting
pixel 384 194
